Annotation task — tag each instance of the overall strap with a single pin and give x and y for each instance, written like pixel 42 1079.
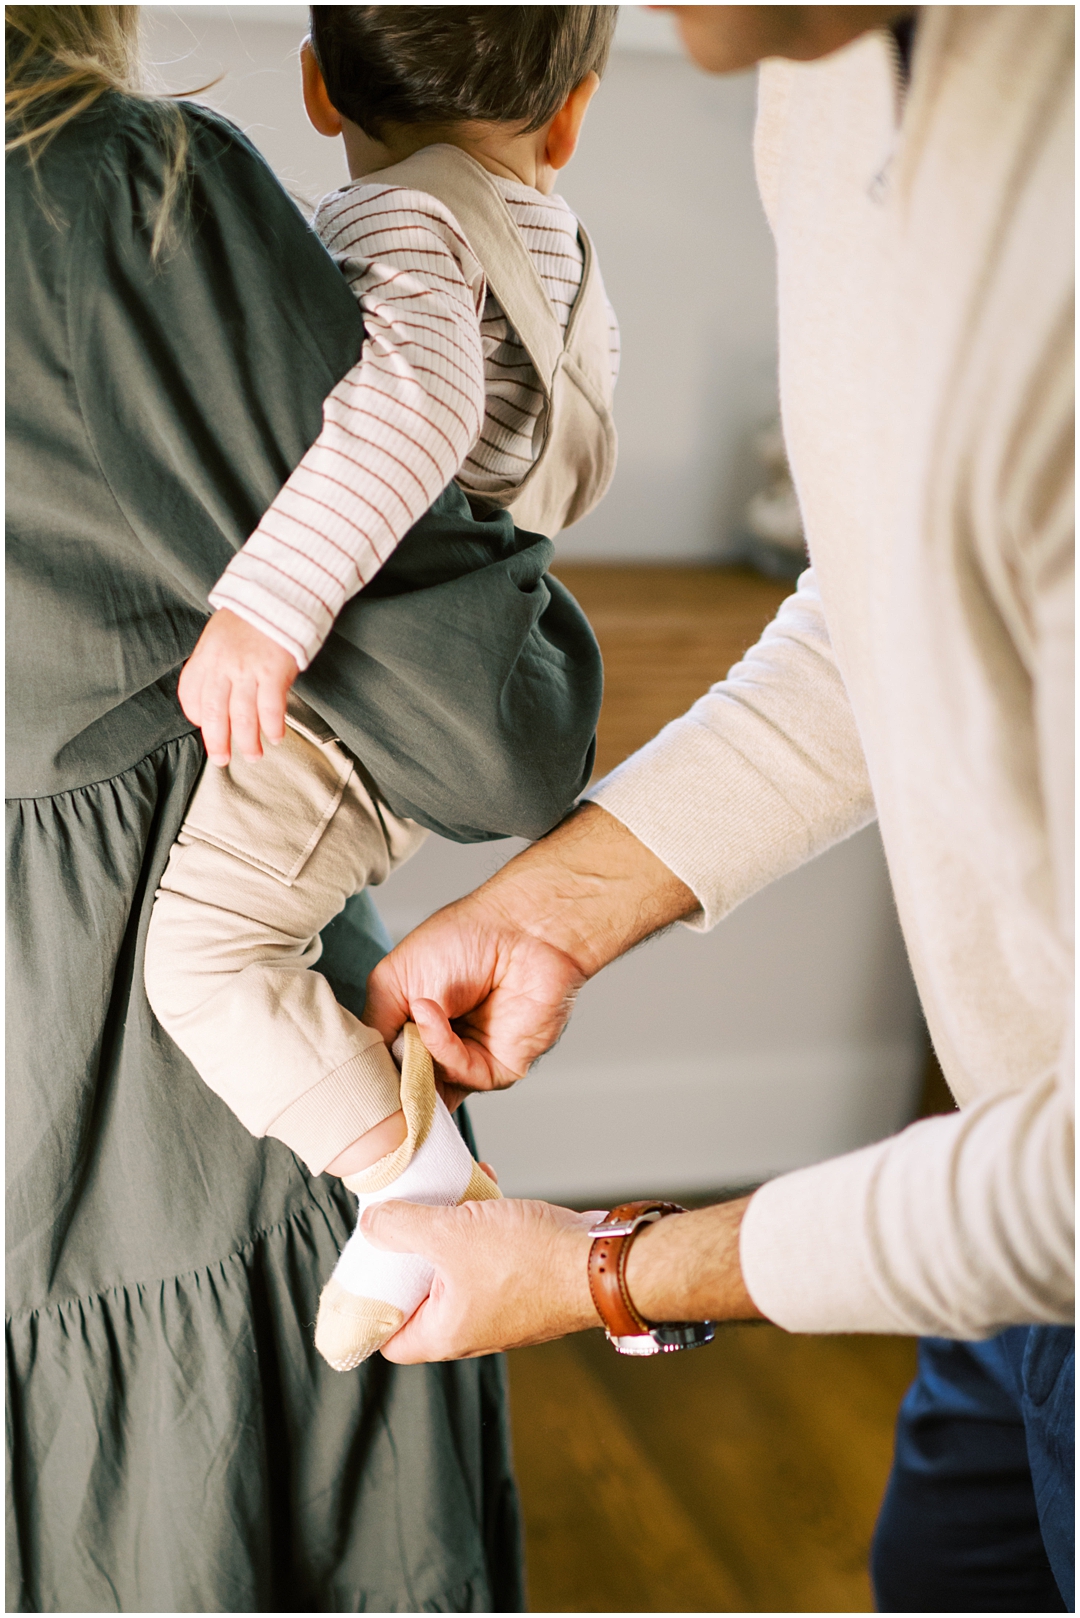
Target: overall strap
pixel 471 194
pixel 587 333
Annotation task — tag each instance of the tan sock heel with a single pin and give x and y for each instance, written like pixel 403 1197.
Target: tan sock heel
pixel 481 1188
pixel 418 1097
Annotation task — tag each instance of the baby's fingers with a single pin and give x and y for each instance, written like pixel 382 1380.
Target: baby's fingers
pixel 244 720
pixel 214 720
pixel 270 703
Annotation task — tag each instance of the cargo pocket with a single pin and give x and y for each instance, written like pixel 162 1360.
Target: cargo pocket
pixel 272 813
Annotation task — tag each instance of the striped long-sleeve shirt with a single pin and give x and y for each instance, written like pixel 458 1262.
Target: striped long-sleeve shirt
pixel 442 384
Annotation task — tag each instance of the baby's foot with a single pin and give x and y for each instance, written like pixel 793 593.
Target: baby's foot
pixel 372 1292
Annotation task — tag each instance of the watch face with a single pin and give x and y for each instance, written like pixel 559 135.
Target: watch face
pixel 684 1334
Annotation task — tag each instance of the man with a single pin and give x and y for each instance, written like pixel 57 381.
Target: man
pixel 921 204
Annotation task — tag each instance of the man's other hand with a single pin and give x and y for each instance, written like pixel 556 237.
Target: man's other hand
pixel 490 981
pixel 487 997
pixel 512 1273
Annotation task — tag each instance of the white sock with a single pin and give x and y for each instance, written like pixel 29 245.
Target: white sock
pixel 437 1175
pixel 372 1292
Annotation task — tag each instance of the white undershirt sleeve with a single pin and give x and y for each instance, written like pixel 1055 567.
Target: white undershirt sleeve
pixel 396 429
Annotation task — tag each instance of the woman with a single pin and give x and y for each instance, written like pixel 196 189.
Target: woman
pixel 176 1443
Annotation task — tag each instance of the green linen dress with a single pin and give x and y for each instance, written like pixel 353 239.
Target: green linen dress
pixel 174 1441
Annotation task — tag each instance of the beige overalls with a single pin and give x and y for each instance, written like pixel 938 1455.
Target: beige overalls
pixel 270 852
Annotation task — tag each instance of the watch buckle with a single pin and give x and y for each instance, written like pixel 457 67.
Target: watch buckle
pixel 624 1227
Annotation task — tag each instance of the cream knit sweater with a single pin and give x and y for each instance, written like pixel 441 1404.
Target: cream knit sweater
pixel 923 670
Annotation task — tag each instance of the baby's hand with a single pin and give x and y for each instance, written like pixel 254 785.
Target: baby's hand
pixel 234 684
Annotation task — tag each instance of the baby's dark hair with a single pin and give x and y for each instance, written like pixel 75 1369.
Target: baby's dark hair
pixel 388 65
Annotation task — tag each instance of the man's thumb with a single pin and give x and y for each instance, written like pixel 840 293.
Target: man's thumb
pixel 403 1227
pixel 435 1030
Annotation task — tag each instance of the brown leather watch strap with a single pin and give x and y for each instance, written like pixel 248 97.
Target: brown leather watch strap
pixel 607 1265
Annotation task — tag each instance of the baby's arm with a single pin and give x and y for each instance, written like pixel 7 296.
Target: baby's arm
pixel 396 430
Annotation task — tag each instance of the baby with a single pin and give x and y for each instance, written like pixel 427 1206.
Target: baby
pixel 472 325
pixel 489 359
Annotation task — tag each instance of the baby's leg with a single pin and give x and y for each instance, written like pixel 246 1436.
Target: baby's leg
pixel 268 855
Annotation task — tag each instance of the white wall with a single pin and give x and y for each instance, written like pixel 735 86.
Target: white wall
pixel 792 1032
pixel 664 181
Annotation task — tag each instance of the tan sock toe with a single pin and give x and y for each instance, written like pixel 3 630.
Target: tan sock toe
pixel 350 1329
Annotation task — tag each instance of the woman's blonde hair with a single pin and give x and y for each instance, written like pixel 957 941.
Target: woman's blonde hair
pixel 59 60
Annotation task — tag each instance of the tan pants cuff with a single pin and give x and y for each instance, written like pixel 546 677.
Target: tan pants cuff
pixel 340 1108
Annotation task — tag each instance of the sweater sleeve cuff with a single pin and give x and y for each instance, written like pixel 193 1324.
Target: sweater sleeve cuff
pixel 709 814
pixel 803 1253
pixel 340 1108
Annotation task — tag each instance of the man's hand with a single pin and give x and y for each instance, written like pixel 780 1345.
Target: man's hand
pixel 511 1273
pixel 490 981
pixel 234 685
pixel 509 995
pixel 506 1274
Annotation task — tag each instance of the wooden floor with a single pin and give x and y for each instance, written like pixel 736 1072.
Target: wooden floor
pixel 746 1476
pixel 741 1477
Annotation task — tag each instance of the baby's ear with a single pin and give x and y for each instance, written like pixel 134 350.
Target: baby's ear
pixel 322 114
pixel 564 129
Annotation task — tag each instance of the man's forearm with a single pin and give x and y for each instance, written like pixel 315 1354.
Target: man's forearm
pixel 511 1273
pixel 687 1268
pixel 590 889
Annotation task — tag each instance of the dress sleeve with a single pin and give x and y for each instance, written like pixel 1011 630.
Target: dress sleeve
pixel 762 773
pixel 396 428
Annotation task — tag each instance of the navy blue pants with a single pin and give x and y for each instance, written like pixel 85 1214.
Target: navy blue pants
pixel 978 1512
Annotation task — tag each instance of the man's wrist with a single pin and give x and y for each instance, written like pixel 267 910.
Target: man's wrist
pixel 687 1267
pixel 577 1309
pixel 589 889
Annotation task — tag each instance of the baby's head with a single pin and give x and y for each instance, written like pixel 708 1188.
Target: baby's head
pixel 510 84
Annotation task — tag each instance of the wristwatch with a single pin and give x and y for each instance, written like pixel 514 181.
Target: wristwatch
pixel 627 1331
